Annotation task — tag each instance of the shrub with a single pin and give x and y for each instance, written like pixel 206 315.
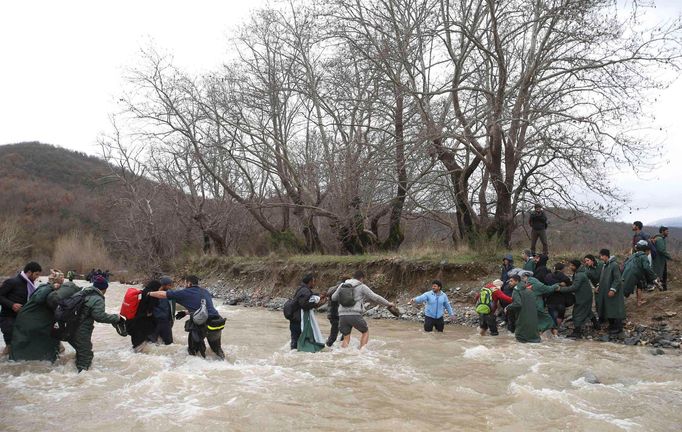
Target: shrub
pixel 12 247
pixel 81 252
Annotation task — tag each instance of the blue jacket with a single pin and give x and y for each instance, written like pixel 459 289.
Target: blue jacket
pixel 435 304
pixel 191 299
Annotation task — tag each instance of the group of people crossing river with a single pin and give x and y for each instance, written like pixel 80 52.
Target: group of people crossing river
pixel 36 320
pixel 530 300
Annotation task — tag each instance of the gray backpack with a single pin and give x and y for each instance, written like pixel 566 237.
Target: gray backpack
pixel 200 316
pixel 346 295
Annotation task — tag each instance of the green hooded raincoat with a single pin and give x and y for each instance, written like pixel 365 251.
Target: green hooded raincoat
pixel 610 280
pixel 524 305
pixel 582 310
pixel 637 268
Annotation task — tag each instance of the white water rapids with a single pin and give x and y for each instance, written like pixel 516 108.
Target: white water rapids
pixel 405 380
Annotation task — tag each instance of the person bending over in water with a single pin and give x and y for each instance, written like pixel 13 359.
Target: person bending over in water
pixel 436 304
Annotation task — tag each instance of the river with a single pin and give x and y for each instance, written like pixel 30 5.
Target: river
pixel 405 380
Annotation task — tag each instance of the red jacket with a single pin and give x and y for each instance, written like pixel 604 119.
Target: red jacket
pixel 497 296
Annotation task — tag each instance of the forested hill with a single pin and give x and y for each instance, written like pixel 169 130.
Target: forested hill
pixel 57 166
pixel 49 191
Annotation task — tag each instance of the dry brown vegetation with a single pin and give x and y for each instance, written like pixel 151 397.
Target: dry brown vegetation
pixel 81 252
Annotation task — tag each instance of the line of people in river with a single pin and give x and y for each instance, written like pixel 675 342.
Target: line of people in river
pixel 532 299
pixel 35 320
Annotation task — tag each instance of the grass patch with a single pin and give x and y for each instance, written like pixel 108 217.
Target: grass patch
pixel 434 255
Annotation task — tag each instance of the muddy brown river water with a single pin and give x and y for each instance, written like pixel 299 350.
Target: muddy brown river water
pixel 405 381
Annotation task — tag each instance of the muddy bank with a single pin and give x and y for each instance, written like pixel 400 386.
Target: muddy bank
pixel 269 282
pixel 272 277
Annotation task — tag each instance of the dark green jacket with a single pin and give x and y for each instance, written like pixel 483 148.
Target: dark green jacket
pixel 93 310
pixel 529 265
pixel 545 322
pixel 637 269
pixel 32 336
pixel 662 255
pixel 594 273
pixel 610 280
pixel 582 310
pixel 524 306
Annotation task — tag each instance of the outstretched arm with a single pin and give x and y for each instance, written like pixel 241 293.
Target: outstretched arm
pixel 99 315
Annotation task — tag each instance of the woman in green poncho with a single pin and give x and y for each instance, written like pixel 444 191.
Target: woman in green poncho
pixel 32 337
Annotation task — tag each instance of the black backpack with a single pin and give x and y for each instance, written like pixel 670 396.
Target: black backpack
pixel 68 316
pixel 291 306
pixel 346 295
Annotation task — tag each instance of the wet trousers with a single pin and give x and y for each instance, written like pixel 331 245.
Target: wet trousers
pixel 334 332
pixel 295 330
pixel 195 340
pixel 488 321
pixel 430 323
pixel 163 330
pixel 6 326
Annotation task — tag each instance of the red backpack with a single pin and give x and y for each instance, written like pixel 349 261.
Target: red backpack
pixel 131 301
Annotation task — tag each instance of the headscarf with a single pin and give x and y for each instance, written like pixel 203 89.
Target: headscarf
pixel 56 277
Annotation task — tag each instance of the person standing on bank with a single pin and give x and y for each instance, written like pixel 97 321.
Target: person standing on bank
pixel 538 224
pixel 660 263
pixel 350 317
pixel 610 292
pixel 528 261
pixel 14 294
pixel 436 304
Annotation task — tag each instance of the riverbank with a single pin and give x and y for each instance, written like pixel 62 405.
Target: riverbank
pixel 268 282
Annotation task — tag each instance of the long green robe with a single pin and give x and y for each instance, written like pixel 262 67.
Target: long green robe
pixel 524 306
pixel 610 280
pixel 582 309
pixel 545 321
pixel 637 268
pixel 32 336
pixel 662 255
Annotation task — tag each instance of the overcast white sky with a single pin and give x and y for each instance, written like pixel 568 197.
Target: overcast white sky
pixel 62 64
